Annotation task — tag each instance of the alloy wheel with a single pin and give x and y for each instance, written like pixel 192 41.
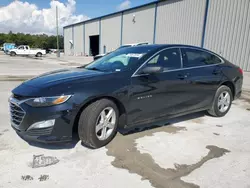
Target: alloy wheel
pixel 105 123
pixel 224 101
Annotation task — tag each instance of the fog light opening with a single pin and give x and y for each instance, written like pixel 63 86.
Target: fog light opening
pixel 42 124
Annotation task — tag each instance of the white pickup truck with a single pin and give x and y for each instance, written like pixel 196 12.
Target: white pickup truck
pixel 26 50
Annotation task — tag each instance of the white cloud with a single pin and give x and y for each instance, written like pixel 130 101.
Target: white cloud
pixel 24 17
pixel 124 5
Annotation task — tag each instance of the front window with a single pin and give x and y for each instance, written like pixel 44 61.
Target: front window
pixel 119 60
pixel 169 59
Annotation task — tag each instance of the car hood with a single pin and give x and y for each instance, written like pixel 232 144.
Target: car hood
pixel 69 81
pixel 61 76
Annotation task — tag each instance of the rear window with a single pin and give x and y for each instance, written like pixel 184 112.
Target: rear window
pixel 195 58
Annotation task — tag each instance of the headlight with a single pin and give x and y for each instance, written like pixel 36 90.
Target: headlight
pixel 47 101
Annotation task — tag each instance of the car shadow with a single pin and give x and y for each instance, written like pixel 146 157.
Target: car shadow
pixel 163 123
pixel 33 57
pixel 75 138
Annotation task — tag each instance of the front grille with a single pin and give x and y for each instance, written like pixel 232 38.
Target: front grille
pixel 16 114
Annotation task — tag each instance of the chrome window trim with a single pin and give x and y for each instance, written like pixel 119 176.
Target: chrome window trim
pixel 181 58
pixel 194 48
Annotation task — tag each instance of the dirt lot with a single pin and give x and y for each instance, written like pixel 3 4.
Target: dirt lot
pixel 192 151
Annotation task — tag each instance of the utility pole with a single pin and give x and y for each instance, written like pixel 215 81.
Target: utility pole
pixel 57 37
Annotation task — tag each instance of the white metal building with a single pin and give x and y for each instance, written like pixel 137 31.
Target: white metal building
pixel 222 26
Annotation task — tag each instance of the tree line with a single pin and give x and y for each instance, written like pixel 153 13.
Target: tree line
pixel 34 41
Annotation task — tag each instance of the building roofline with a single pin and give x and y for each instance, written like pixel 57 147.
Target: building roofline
pixel 114 13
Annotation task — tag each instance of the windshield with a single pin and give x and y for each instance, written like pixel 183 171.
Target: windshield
pixel 119 60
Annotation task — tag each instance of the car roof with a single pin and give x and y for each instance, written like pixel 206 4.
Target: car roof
pixel 170 45
pixel 134 44
pixel 162 46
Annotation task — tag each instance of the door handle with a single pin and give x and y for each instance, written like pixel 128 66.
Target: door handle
pixel 182 76
pixel 216 71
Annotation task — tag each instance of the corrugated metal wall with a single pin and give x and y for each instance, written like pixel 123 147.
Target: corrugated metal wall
pixel 180 21
pixel 78 39
pixel 67 37
pixel 110 32
pixel 228 30
pixel 142 28
pixel 91 28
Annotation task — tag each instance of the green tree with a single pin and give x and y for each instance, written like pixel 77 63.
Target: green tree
pixel 35 41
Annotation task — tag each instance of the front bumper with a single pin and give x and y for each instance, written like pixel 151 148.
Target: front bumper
pixel 24 116
pixel 44 136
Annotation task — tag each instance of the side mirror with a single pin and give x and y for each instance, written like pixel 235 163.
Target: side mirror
pixel 152 70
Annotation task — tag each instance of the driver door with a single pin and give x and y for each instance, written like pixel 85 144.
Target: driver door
pixel 153 96
pixel 20 50
pixel 26 50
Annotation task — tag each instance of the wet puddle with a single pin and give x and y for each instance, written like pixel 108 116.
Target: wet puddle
pixel 128 157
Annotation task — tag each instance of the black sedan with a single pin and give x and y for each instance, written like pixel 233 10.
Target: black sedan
pixel 130 87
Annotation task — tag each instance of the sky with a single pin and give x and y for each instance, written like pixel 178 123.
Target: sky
pixel 38 16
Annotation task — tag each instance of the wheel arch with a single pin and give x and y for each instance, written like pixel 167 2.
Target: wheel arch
pixel 39 54
pixel 119 104
pixel 231 86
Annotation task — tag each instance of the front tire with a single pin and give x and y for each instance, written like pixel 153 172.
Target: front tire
pixel 39 54
pixel 222 102
pixel 98 123
pixel 12 53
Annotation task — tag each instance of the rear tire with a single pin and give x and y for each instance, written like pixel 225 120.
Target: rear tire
pixel 222 102
pixel 12 53
pixel 39 54
pixel 95 129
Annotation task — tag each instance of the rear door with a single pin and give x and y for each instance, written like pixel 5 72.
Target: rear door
pixel 203 76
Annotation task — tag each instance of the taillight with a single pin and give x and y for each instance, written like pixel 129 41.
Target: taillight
pixel 241 71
